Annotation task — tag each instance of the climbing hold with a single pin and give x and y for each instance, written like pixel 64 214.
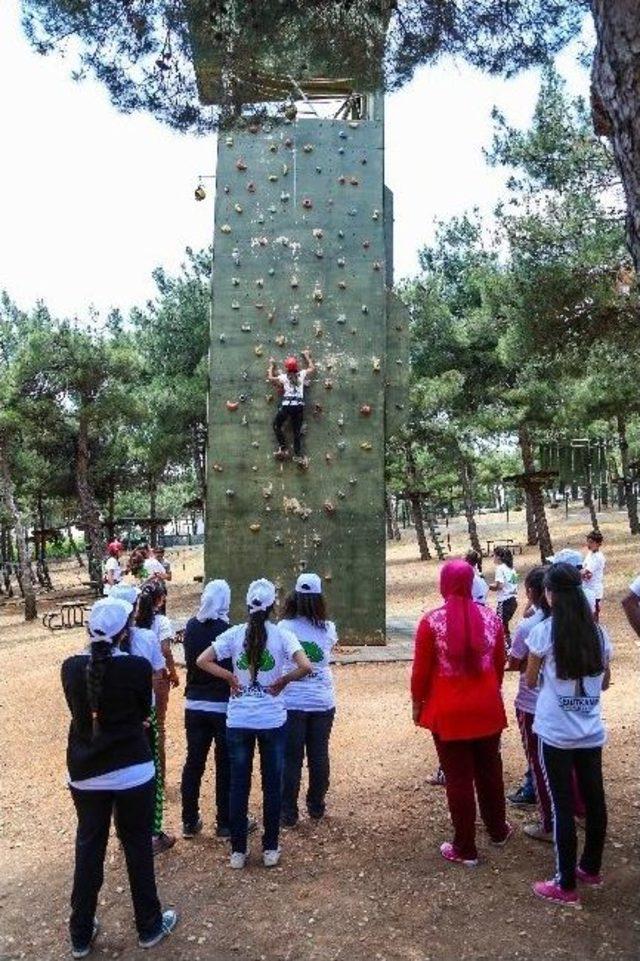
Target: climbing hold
pixel 273 178
pixel 375 363
pixel 363 161
pixel 226 188
pixel 269 398
pixel 258 350
pixel 246 328
pixel 255 444
pixel 343 135
pixel 317 329
pixel 341 445
pixel 341 234
pixel 222 338
pixel 253 128
pixel 235 256
pixel 271 271
pixel 399 362
pixel 340 421
pixel 254 528
pixel 235 281
pixel 342 179
pixel 271 316
pixel 317 540
pixel 319 252
pixel 294 282
pixel 290 111
pixel 318 233
pixel 352 212
pixel 281 340
pixel 328 384
pixel 267 491
pixel 307 203
pixel 353 366
pixel 272 209
pixel 259 305
pixel 375 215
pixel 278 541
pixel 308 148
pixel 354 182
pixel 237 208
pixel 365 445
pixel 251 187
pixel 328 457
pixel 235 305
pixel 341 495
pixel 240 164
pixel 232 405
pixel 242 398
pixel 284 197
pixel 365 409
pixel 340 150
pixel 354 330
pixel 329 507
pixel 354 124
pixel 273 148
pixel 318 410
pixel 341 318
pixel 341 261
pixel 229 492
pixel 266 128
pixel 263 241
pixel 260 282
pixel 318 170
pixel 225 229
pixel 318 296
pixel 285 170
pixel 328 576
pixel 293 320
pixel 366 244
pixel 342 285
pixel 353 481
pixel 217 468
pixel 377 265
pixel 244 421
pixel 364 309
pixel 229 141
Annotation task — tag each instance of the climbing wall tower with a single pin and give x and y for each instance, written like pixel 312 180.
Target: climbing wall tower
pixel 299 261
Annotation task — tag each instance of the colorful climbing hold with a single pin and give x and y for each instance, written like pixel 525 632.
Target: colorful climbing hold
pixel 307 203
pixel 240 164
pixel 232 405
pixel 254 528
pixel 329 507
pixel 318 296
pixel 365 409
pixel 365 445
pixel 308 148
pixel 225 229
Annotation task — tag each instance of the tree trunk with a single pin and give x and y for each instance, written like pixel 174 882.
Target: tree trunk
pixel 589 502
pixel 74 546
pixel 88 506
pixel 629 496
pixel 153 511
pixel 466 484
pixel 532 530
pixel 111 516
pixel 535 494
pixel 615 98
pixel 388 516
pixel 415 501
pixel 30 607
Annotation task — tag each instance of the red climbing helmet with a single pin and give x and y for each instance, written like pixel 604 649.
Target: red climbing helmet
pixel 114 548
pixel 291 365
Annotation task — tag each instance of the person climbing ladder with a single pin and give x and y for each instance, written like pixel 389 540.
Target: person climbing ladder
pixel 291 384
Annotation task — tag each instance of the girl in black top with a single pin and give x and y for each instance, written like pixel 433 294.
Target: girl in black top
pixel 108 693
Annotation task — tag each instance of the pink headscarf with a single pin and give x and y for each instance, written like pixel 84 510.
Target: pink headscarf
pixel 465 626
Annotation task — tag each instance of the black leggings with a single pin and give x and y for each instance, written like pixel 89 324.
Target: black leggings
pixel 505 611
pixel 294 413
pixel 558 765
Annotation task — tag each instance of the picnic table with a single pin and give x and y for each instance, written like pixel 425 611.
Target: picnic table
pixel 509 542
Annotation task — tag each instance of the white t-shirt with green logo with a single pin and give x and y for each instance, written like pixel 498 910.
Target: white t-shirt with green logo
pixel 316 691
pixel 509 579
pixel 253 707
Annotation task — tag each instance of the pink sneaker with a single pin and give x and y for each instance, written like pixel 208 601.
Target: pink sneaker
pixel 448 852
pixel 592 880
pixel 551 891
pixel 501 844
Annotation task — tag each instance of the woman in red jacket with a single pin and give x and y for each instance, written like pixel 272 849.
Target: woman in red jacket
pixel 455 686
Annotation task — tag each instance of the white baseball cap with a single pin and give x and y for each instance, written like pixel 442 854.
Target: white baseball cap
pixel 309 584
pixel 125 592
pixel 566 556
pixel 108 617
pixel 261 595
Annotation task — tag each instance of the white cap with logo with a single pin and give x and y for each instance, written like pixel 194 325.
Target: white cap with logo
pixel 309 584
pixel 125 592
pixel 566 556
pixel 107 618
pixel 261 595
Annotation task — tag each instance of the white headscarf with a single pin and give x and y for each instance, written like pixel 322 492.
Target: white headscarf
pixel 215 602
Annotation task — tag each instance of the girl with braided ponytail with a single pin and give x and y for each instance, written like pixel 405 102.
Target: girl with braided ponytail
pixel 259 651
pixel 108 692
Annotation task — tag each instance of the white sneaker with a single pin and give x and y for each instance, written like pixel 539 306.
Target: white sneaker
pixel 538 833
pixel 238 859
pixel 271 858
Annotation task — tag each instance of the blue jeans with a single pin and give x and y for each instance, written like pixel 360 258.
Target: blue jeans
pixel 241 742
pixel 307 732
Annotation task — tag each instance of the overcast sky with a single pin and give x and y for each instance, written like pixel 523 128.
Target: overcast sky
pixel 91 200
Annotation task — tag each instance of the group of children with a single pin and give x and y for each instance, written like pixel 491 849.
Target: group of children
pixel 256 683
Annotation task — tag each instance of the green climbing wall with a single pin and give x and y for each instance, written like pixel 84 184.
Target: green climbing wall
pixel 300 262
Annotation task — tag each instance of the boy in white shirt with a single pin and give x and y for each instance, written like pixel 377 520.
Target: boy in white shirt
pixel 593 568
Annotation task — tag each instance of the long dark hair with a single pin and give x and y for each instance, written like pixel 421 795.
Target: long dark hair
pixel 504 555
pixel 534 583
pixel 577 646
pixel 146 605
pixel 475 559
pixel 310 606
pixel 255 639
pixel 99 657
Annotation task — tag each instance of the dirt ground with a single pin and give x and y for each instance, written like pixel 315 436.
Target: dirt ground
pixel 368 881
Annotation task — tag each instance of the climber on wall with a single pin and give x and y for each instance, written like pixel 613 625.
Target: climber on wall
pixel 291 385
